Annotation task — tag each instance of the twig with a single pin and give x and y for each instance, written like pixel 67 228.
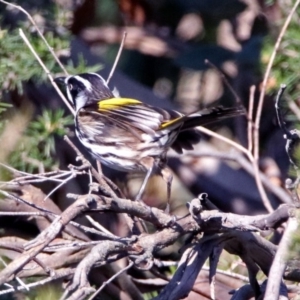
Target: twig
pixel 223 77
pixel 25 213
pixel 58 274
pixel 102 182
pixel 250 118
pixel 265 80
pixel 22 284
pixel 264 198
pixel 60 185
pixel 226 140
pixel 109 182
pixel 99 226
pixel 279 263
pixel 281 122
pixel 292 136
pixel 19 199
pixel 262 192
pixel 98 176
pixel 23 36
pixel 39 32
pixel 117 58
pixel 104 284
pixel 229 274
pixel 47 213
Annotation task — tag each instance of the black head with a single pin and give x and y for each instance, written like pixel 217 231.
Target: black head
pixel 84 89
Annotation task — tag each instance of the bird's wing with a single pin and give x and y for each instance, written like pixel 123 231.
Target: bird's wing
pixel 136 114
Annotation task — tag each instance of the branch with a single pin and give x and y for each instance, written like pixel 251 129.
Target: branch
pixel 280 261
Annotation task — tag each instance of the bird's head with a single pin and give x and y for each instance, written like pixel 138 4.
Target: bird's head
pixel 84 89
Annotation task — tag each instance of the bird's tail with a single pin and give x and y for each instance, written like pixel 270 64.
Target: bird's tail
pixel 211 115
pixel 189 136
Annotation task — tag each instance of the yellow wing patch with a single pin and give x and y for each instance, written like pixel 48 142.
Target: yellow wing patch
pixel 114 103
pixel 168 123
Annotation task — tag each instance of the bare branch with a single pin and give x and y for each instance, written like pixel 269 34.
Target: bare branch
pixel 280 261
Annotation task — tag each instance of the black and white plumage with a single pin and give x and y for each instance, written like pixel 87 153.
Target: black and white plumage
pixel 127 134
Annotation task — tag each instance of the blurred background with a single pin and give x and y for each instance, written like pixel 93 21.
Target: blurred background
pixel 177 54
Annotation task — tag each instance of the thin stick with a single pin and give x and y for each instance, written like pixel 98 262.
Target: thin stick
pixel 99 226
pixel 259 184
pixel 39 32
pixel 58 274
pixel 226 140
pixel 60 185
pixel 280 261
pixel 250 118
pixel 229 274
pixel 104 284
pixel 261 189
pixel 264 84
pixel 117 57
pixel 19 199
pixel 34 214
pixel 23 36
pixel 22 284
pixel 223 77
pixel 264 198
pixel 280 120
pixel 99 178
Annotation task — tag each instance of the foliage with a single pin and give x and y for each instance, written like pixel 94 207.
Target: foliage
pixel 17 63
pixel 38 144
pixel 3 107
pixel 287 64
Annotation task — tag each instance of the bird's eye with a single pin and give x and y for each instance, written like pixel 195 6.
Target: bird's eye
pixel 70 86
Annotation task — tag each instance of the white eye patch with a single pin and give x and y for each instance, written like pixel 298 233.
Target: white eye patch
pixel 85 82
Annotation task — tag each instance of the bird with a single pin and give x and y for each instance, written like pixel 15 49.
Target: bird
pixel 129 135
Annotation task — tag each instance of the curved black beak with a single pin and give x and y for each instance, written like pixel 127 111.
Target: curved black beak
pixel 60 80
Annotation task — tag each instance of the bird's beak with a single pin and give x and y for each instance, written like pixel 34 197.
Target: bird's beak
pixel 60 80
